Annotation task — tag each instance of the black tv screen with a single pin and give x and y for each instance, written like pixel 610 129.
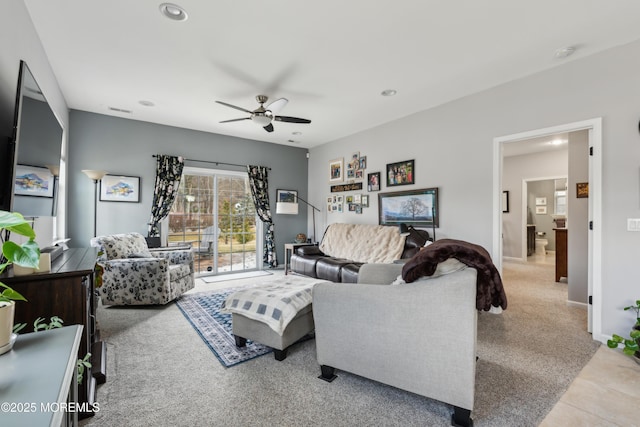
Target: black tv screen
pixel 36 144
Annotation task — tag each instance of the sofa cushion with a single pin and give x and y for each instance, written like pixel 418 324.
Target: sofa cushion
pixel 349 272
pixel 329 268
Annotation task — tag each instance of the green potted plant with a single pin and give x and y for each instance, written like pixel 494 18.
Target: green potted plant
pixel 26 255
pixel 631 345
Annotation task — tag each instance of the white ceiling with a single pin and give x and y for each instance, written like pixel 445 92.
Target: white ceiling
pixel 330 58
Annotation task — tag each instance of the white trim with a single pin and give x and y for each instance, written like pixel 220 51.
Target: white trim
pixel 595 205
pixel 577 304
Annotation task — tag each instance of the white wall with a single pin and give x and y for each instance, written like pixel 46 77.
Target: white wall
pixel 452 146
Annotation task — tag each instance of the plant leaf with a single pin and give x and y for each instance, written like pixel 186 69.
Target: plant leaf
pixel 26 255
pixel 612 344
pixel 15 222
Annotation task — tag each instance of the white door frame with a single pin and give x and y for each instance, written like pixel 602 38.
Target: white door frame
pixel 594 126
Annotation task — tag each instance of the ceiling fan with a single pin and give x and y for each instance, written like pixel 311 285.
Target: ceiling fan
pixel 263 116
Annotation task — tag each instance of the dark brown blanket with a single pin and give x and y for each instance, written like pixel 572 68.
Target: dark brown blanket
pixel 489 284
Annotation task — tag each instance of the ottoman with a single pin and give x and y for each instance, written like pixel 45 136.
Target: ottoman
pixel 276 314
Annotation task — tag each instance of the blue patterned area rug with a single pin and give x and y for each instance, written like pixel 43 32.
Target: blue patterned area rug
pixel 202 310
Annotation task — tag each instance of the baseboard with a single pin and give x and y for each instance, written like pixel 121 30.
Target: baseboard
pixel 513 259
pixel 576 304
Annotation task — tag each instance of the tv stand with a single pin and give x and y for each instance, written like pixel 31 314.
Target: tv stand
pixel 67 291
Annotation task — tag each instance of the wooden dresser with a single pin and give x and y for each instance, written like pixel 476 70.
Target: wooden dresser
pixel 67 291
pixel 561 253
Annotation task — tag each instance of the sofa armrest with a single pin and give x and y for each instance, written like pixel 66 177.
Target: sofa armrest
pixel 379 274
pixel 308 250
pixel 420 337
pixel 180 256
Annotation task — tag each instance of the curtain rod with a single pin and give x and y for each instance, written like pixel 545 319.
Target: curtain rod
pixel 214 163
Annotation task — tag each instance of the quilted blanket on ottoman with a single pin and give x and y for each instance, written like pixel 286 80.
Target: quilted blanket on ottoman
pixel 275 304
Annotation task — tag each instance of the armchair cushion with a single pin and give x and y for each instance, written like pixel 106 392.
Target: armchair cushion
pixel 132 274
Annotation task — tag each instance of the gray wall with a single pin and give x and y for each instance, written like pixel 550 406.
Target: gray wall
pixel 21 41
pixel 578 223
pixel 125 147
pixel 453 148
pixel 543 222
pixel 515 170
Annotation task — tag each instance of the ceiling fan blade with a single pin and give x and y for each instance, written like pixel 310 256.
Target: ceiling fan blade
pixel 277 105
pixel 291 119
pixel 235 120
pixel 233 106
pixel 269 127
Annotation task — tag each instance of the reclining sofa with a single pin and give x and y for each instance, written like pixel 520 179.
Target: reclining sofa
pixel 346 247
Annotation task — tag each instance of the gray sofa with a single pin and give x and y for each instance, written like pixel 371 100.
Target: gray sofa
pixel 367 328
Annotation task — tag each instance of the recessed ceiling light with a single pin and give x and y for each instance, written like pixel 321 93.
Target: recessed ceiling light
pixel 388 92
pixel 557 142
pixel 565 51
pixel 173 11
pixel 146 103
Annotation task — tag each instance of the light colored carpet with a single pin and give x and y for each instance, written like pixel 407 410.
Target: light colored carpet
pixel 160 372
pixel 234 276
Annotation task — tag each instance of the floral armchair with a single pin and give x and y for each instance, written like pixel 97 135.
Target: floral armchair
pixel 132 274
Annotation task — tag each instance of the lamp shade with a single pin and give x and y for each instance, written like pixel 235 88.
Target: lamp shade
pixel 94 174
pixel 54 169
pixel 287 208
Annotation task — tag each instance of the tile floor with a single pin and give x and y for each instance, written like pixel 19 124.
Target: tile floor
pixel 605 393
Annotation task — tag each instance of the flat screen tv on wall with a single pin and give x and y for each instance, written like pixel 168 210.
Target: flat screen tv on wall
pixel 32 160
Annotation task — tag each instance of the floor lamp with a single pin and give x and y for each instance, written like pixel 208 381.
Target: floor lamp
pixel 291 208
pixel 95 176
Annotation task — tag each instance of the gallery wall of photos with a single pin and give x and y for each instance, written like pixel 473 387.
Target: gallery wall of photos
pixel 350 174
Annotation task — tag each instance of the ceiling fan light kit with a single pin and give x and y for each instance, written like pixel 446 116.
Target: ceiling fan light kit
pixel 264 116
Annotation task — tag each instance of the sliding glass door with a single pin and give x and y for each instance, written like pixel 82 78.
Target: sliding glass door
pixel 214 214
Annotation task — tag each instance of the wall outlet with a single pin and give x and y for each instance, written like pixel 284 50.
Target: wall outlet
pixel 633 224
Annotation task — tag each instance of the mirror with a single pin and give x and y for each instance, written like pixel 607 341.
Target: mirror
pixel 38 145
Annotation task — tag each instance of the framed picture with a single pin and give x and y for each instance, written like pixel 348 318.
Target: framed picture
pixel 582 190
pixel 349 199
pixel 335 170
pixel 33 181
pixel 505 201
pixel 354 161
pixel 115 188
pixel 413 207
pixel 359 174
pixel 365 201
pixel 541 201
pixel 357 198
pixel 363 162
pixel 401 173
pixel 541 210
pixel 286 196
pixel 373 181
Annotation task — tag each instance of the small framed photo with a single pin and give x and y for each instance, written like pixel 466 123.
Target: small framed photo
pixel 541 210
pixel 358 209
pixel 335 170
pixel 582 190
pixel 286 196
pixel 363 162
pixel 359 174
pixel 365 201
pixel 340 199
pixel 352 207
pixel 401 173
pixel 33 181
pixel 373 181
pixel 115 188
pixel 349 199
pixel 541 201
pixel 357 198
pixel 354 161
pixel 339 207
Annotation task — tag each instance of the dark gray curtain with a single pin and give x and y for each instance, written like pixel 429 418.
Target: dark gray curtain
pixel 258 181
pixel 168 174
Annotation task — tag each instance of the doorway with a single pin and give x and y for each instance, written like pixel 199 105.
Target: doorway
pixel 594 128
pixel 215 215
